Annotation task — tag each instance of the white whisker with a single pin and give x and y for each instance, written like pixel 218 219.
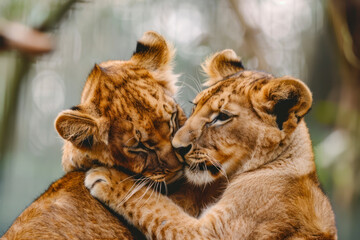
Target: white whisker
pixel 127 194
pixel 126 179
pixel 152 191
pixel 134 189
pixel 180 91
pixel 218 167
pixel 196 81
pixel 149 187
pixel 191 88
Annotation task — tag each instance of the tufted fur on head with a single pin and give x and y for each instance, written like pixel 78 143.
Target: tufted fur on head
pixel 248 130
pixel 127 112
pixel 154 53
pixel 126 118
pixel 221 65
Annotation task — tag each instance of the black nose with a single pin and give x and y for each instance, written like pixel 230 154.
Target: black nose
pixel 183 150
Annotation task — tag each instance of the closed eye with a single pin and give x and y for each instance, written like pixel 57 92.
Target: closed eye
pixel 139 147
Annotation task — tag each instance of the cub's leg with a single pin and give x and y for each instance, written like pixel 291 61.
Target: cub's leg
pixel 156 215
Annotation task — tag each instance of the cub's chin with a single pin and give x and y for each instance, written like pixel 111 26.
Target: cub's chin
pixel 198 177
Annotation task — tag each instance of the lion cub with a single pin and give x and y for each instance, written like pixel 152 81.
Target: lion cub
pixel 247 127
pixel 126 118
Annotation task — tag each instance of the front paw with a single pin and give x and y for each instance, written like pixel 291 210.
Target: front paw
pixel 99 182
pixel 104 182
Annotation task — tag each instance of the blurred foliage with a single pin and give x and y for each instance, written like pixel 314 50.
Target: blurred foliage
pixel 316 41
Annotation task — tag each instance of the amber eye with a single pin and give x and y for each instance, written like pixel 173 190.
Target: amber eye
pixel 221 118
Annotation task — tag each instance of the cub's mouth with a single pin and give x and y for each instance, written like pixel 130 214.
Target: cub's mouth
pixel 166 178
pixel 203 166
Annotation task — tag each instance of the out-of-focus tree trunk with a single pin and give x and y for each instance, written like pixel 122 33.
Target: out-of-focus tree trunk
pixel 345 19
pixel 23 64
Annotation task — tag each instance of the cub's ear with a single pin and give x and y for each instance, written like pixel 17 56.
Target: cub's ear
pixel 152 51
pixel 220 65
pixel 155 54
pixel 81 129
pixel 283 101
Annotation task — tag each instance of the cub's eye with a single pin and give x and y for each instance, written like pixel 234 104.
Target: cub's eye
pixel 142 146
pixel 221 118
pixel 138 147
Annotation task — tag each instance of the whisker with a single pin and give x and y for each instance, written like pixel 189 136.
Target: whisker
pixel 218 167
pixel 191 88
pixel 134 189
pixel 192 166
pixel 127 194
pixel 198 78
pixel 149 196
pixel 129 140
pixel 147 189
pixel 196 81
pixel 180 91
pixel 126 179
pixel 166 189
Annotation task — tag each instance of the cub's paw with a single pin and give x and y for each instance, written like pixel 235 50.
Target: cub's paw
pixel 99 182
pixel 108 184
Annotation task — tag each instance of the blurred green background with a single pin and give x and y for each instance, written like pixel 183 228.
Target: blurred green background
pixel 317 41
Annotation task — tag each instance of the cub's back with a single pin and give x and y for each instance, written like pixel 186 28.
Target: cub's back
pixel 67 205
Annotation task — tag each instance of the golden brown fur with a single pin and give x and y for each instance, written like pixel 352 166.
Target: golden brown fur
pixel 248 128
pixel 127 114
pixel 67 211
pixel 126 119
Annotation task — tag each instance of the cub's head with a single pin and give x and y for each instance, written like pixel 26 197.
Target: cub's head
pixel 240 121
pixel 127 115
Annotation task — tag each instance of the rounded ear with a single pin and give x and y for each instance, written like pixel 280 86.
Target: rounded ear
pixel 156 55
pixel 283 101
pixel 221 65
pixel 80 129
pixel 152 51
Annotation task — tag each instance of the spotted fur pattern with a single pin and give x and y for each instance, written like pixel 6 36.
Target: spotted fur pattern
pixel 248 129
pixel 126 119
pixel 127 114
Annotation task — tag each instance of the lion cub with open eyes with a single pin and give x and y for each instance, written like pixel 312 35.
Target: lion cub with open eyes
pixel 249 126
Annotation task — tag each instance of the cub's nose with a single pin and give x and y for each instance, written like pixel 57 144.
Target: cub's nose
pixel 181 142
pixel 183 150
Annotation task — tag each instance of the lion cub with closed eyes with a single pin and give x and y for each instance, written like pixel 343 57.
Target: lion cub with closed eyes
pixel 249 126
pixel 126 119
